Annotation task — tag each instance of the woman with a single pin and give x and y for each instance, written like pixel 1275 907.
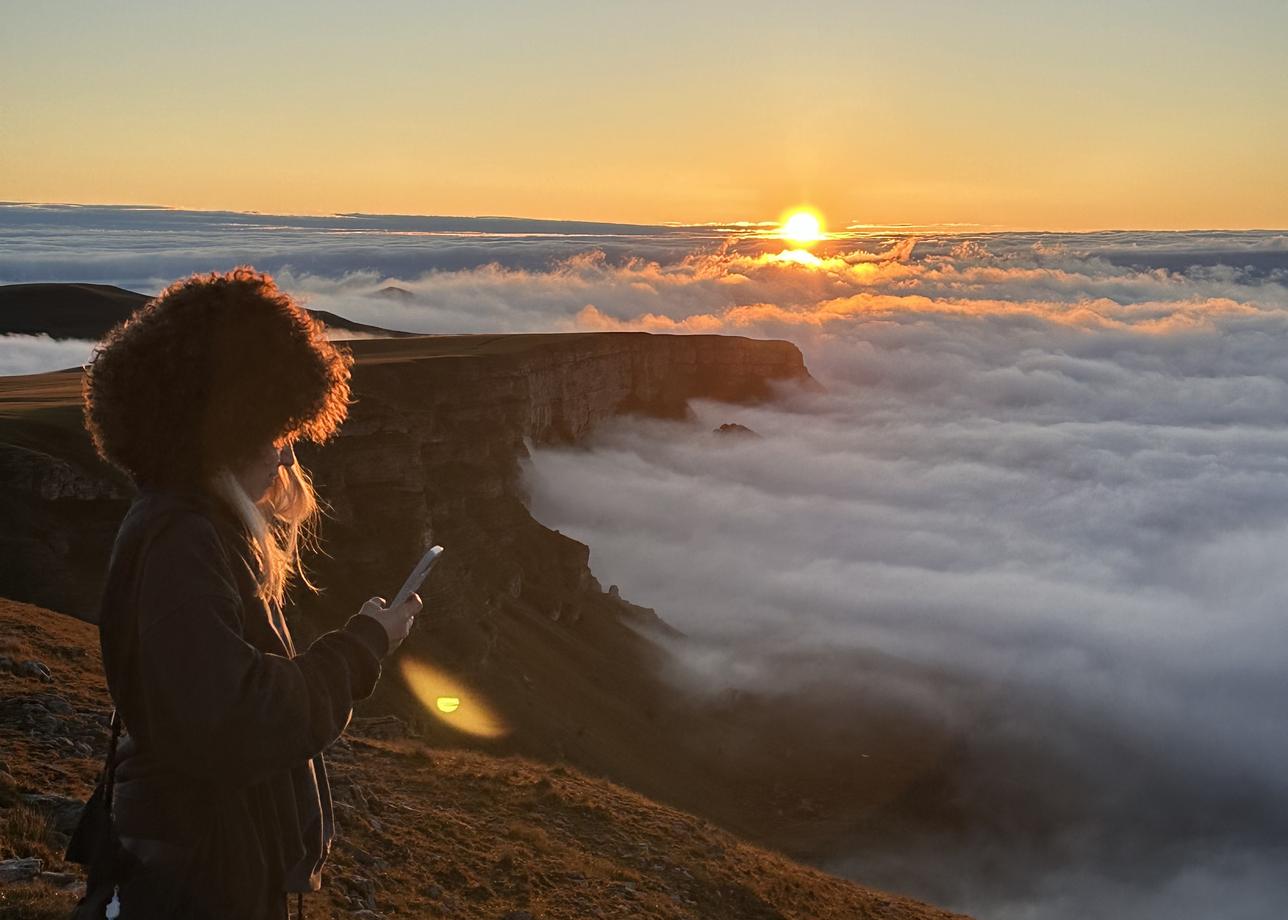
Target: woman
pixel 220 792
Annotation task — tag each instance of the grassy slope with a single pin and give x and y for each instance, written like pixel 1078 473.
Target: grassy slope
pixel 432 832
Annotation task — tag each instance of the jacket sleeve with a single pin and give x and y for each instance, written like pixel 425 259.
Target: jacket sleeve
pixel 226 711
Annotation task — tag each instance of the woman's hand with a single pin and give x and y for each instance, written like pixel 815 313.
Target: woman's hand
pixel 397 621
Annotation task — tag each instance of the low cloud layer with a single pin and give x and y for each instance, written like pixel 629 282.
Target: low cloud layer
pixel 34 354
pixel 1054 467
pixel 1059 479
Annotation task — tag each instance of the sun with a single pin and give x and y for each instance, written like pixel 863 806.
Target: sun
pixel 802 226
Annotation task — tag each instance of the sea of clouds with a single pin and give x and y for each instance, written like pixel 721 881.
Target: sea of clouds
pixel 1053 466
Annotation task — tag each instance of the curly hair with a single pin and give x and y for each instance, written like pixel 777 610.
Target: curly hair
pixel 203 376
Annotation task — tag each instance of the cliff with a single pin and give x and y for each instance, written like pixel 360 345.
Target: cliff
pixel 431 451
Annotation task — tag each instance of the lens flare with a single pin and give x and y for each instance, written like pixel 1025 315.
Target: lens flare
pixel 448 699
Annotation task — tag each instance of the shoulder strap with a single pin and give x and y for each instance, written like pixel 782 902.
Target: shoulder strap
pixel 109 768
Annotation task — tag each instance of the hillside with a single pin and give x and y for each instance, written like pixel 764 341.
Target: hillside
pixel 423 831
pixel 88 311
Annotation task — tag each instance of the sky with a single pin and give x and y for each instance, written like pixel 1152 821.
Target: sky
pixel 1040 115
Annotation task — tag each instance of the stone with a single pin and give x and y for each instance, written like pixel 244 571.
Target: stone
pixel 386 726
pixel 60 879
pixel 36 669
pixel 56 704
pixel 734 429
pixel 19 870
pixel 64 812
pixel 361 855
pixel 361 890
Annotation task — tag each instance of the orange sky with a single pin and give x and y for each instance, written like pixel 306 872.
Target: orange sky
pixel 1039 116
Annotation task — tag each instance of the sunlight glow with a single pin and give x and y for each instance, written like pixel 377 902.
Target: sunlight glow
pixel 799 256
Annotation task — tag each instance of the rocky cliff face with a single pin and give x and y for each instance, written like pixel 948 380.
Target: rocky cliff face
pixel 432 448
pixel 431 453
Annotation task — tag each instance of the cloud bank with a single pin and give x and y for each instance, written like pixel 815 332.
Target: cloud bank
pixel 1059 479
pixel 34 354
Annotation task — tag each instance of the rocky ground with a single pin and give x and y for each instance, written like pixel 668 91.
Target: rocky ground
pixel 422 831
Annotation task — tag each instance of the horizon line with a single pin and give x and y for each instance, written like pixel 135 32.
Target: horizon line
pixel 738 225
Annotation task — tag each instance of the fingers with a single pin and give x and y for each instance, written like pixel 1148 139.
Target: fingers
pixel 398 621
pixel 412 606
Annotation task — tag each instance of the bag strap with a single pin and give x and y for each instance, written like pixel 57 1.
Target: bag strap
pixel 109 767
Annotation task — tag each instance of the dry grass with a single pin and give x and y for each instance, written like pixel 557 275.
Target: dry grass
pixel 453 833
pixel 35 901
pixel 26 832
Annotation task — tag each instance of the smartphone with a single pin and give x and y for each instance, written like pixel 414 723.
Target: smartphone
pixel 417 576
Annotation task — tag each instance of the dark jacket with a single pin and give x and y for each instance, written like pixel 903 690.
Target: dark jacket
pixel 221 788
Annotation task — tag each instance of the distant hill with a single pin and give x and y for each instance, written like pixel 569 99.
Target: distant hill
pixel 423 831
pixel 65 311
pixel 88 311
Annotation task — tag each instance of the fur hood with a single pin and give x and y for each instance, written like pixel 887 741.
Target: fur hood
pixel 206 374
